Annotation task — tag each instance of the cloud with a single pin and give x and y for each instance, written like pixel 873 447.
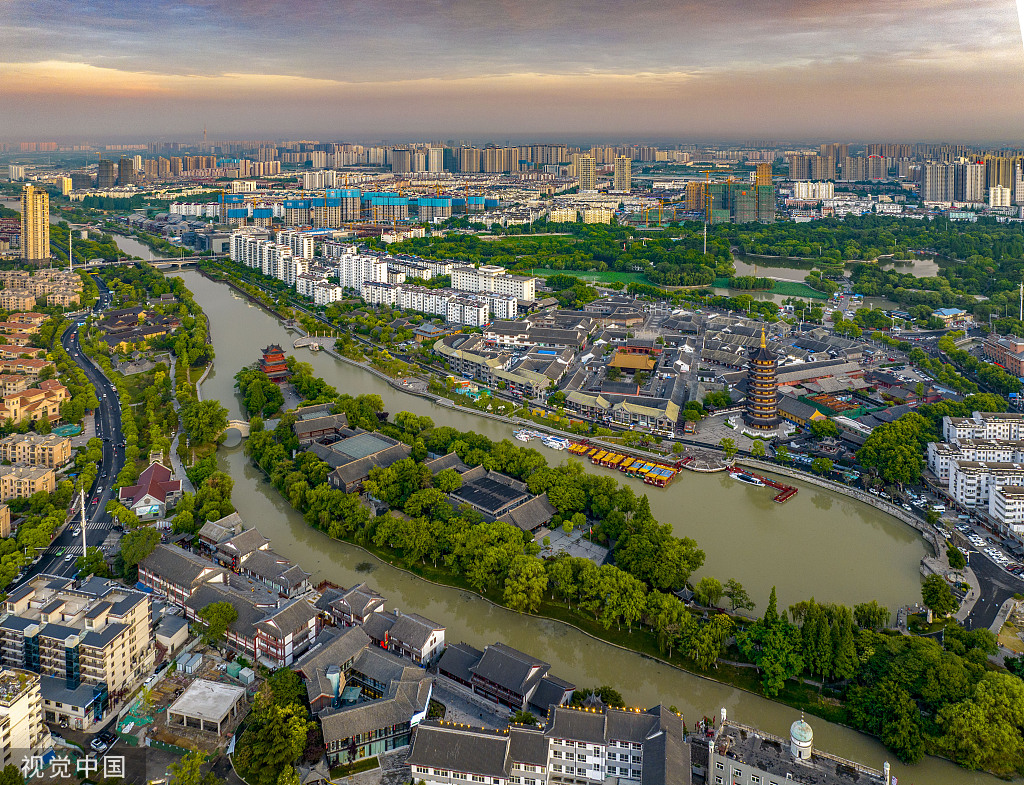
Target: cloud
pixel 516 66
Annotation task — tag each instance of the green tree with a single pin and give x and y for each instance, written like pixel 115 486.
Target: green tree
pixel 708 591
pixel 936 594
pixel 956 558
pixel 189 771
pixel 821 466
pixel 894 450
pixel 737 595
pixel 448 480
pixel 204 421
pixel 523 718
pixel 93 563
pixel 757 449
pixel 871 615
pixel 782 454
pixel 525 584
pixel 728 447
pixel 822 429
pixel 218 617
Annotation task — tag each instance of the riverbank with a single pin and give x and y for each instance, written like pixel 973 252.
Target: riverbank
pixel 807 477
pixel 741 529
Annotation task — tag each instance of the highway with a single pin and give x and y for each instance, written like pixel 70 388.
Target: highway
pixel 108 427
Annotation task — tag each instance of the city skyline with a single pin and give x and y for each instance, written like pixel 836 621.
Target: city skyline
pixel 783 68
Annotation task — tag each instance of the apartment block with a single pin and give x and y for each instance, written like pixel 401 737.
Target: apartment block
pixel 43 401
pixel 34 449
pixel 22 732
pixel 90 642
pixel 492 278
pixel 20 482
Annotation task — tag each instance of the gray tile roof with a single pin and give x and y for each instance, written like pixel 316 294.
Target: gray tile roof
pixel 532 514
pixel 293 616
pixel 457 749
pixel 510 668
pixel 449 461
pixel 527 745
pixel 458 659
pixel 176 566
pixel 577 725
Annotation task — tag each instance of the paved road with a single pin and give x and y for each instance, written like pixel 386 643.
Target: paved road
pixel 108 427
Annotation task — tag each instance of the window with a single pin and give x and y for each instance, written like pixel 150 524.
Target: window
pixel 477 778
pixel 420 769
pixel 755 779
pixel 718 781
pixel 737 773
pixel 636 759
pixel 556 754
pixel 720 766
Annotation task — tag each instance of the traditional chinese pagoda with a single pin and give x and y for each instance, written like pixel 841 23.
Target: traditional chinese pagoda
pixel 274 364
pixel 762 388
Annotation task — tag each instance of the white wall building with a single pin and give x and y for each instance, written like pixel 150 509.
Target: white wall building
pixel 814 191
pixel 354 269
pixel 492 278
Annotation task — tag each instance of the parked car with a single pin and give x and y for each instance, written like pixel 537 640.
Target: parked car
pixel 99 745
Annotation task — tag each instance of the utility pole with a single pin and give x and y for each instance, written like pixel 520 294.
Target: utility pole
pixel 82 499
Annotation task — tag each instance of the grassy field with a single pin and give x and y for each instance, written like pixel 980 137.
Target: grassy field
pixel 784 288
pixel 609 276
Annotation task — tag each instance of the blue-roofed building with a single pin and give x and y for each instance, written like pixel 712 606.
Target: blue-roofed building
pixel 950 316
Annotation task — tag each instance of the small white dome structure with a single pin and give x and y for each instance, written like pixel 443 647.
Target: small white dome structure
pixel 801 739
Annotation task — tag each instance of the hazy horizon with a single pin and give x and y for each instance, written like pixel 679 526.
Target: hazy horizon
pixel 381 69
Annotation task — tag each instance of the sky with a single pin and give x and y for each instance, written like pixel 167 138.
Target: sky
pixel 497 70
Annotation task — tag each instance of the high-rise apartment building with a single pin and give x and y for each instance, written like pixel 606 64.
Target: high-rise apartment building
pixel 835 150
pixel 800 167
pixel 623 177
pixel 125 171
pixel 998 196
pixel 35 224
pixel 106 174
pixel 854 168
pixel 585 172
pixel 938 182
pixel 16 172
pixel 823 167
pixel 969 185
pixel 999 171
pixel 435 159
pixel 401 161
pixel 877 168
pixel 763 174
pixel 468 159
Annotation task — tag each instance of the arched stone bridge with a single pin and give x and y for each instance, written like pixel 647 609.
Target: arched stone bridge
pixel 238 425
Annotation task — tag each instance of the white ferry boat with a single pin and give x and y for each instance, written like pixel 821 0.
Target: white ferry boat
pixel 746 478
pixel 554 442
pixel 525 435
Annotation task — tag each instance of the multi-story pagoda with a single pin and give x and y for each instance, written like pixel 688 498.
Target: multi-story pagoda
pixel 762 388
pixel 274 364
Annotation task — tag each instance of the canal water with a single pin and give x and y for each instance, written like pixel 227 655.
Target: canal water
pixel 819 544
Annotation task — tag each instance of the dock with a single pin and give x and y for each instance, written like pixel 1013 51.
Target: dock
pixel 650 470
pixel 785 492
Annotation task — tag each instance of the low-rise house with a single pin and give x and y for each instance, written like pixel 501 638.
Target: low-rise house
pixel 408 635
pixel 353 456
pixel 504 676
pixel 367 700
pixel 276 572
pixel 154 493
pixel 316 422
pixel 574 746
pixel 354 606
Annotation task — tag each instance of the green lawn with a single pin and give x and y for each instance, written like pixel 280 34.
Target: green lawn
pixel 784 288
pixel 354 768
pixel 608 276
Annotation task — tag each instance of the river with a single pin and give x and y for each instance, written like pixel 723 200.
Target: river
pixel 744 533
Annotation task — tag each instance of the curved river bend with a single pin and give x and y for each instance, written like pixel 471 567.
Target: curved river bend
pixel 819 544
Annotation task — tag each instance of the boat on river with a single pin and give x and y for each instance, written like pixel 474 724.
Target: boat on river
pixel 525 434
pixel 748 479
pixel 554 442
